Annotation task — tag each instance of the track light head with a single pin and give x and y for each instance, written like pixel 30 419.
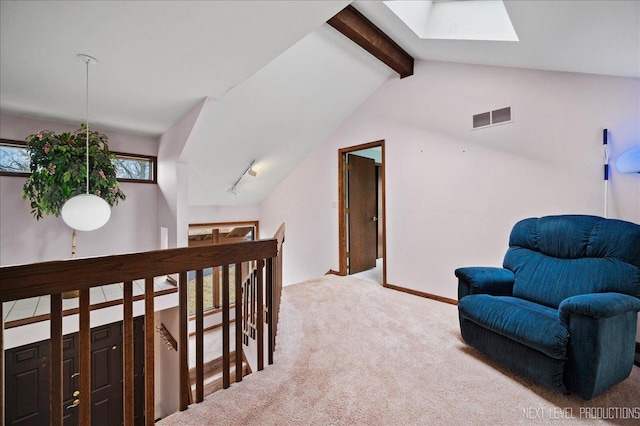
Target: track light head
pixel 248 171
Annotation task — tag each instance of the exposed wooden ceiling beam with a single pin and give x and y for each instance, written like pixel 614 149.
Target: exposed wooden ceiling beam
pixel 363 32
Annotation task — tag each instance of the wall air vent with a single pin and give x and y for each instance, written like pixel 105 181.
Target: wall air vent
pixel 492 118
pixel 482 120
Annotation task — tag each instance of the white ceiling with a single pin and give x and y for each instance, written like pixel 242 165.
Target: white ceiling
pixel 586 36
pixel 157 59
pixel 279 81
pixel 277 117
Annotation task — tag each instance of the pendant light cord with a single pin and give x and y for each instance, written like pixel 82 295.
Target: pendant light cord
pixel 87 124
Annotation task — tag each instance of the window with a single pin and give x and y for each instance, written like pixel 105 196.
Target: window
pixel 456 20
pixel 218 233
pixel 14 158
pixel 135 168
pixel 14 161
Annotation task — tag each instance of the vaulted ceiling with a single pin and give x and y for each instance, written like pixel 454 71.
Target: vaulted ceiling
pixel 278 80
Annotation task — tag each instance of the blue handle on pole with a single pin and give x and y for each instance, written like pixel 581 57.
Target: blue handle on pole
pixel 606 155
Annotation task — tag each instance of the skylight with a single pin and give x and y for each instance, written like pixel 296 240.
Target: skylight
pixel 456 20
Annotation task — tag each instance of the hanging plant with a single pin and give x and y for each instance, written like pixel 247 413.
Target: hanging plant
pixel 58 170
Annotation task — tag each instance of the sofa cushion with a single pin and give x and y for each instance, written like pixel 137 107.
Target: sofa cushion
pixel 556 257
pixel 549 280
pixel 577 236
pixel 525 322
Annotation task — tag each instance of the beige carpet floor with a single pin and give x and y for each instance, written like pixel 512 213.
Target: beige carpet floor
pixel 350 352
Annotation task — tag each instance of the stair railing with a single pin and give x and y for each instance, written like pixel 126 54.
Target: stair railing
pixel 56 277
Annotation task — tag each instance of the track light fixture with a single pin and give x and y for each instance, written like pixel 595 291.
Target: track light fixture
pixel 248 171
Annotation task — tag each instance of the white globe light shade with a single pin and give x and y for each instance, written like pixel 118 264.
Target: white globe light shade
pixel 86 212
pixel 629 162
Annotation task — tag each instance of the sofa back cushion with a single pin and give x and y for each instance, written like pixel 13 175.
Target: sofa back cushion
pixel 555 257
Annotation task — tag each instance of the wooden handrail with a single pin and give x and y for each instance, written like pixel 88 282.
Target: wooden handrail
pixel 55 277
pixel 279 236
pixel 39 279
pixel 276 291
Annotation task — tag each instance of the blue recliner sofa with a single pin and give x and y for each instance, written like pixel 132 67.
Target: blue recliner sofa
pixel 563 309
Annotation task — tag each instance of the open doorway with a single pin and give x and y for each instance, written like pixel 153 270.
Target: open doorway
pixel 362 211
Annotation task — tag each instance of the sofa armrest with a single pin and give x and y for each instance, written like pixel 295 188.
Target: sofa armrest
pixel 484 280
pixel 602 330
pixel 598 305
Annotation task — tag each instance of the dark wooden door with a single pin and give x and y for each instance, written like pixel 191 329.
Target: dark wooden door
pixel 70 379
pixel 106 375
pixel 380 209
pixel 27 382
pixel 362 213
pixel 26 403
pixel 27 379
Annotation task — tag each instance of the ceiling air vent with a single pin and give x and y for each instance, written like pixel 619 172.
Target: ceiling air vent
pixel 492 118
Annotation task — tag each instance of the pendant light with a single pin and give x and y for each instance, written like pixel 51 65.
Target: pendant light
pixel 86 212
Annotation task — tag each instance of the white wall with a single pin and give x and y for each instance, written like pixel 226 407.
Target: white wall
pixel 167 366
pixel 133 223
pixel 211 214
pixel 453 194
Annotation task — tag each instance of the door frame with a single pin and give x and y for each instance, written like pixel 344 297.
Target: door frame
pixel 342 206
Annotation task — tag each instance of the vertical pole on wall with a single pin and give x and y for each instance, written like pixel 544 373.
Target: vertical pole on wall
pixel 606 172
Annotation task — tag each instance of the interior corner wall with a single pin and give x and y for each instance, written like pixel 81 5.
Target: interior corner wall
pixel 306 202
pixel 453 193
pixel 173 203
pixel 132 226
